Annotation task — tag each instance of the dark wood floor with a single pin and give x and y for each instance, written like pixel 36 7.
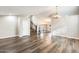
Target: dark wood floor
pixel 39 44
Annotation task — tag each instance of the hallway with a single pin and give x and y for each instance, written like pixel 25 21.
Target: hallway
pixel 39 44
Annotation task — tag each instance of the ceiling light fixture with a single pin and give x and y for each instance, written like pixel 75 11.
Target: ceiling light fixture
pixel 56 15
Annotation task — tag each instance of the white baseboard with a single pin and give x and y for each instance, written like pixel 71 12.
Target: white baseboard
pixel 13 36
pixel 67 36
pixel 3 37
pixel 23 35
pixel 7 37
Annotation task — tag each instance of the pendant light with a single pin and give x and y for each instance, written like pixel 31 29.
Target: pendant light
pixel 56 15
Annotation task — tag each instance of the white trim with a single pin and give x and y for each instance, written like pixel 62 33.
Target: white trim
pixel 67 37
pixel 23 35
pixel 8 37
pixel 13 36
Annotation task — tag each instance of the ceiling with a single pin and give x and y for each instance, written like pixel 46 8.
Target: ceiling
pixel 24 10
pixel 42 11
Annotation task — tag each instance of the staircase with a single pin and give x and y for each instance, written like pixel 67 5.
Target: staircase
pixel 33 29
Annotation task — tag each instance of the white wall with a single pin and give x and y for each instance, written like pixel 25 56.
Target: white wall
pixel 73 25
pixel 24 28
pixel 7 26
pixel 35 20
pixel 68 10
pixel 69 27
